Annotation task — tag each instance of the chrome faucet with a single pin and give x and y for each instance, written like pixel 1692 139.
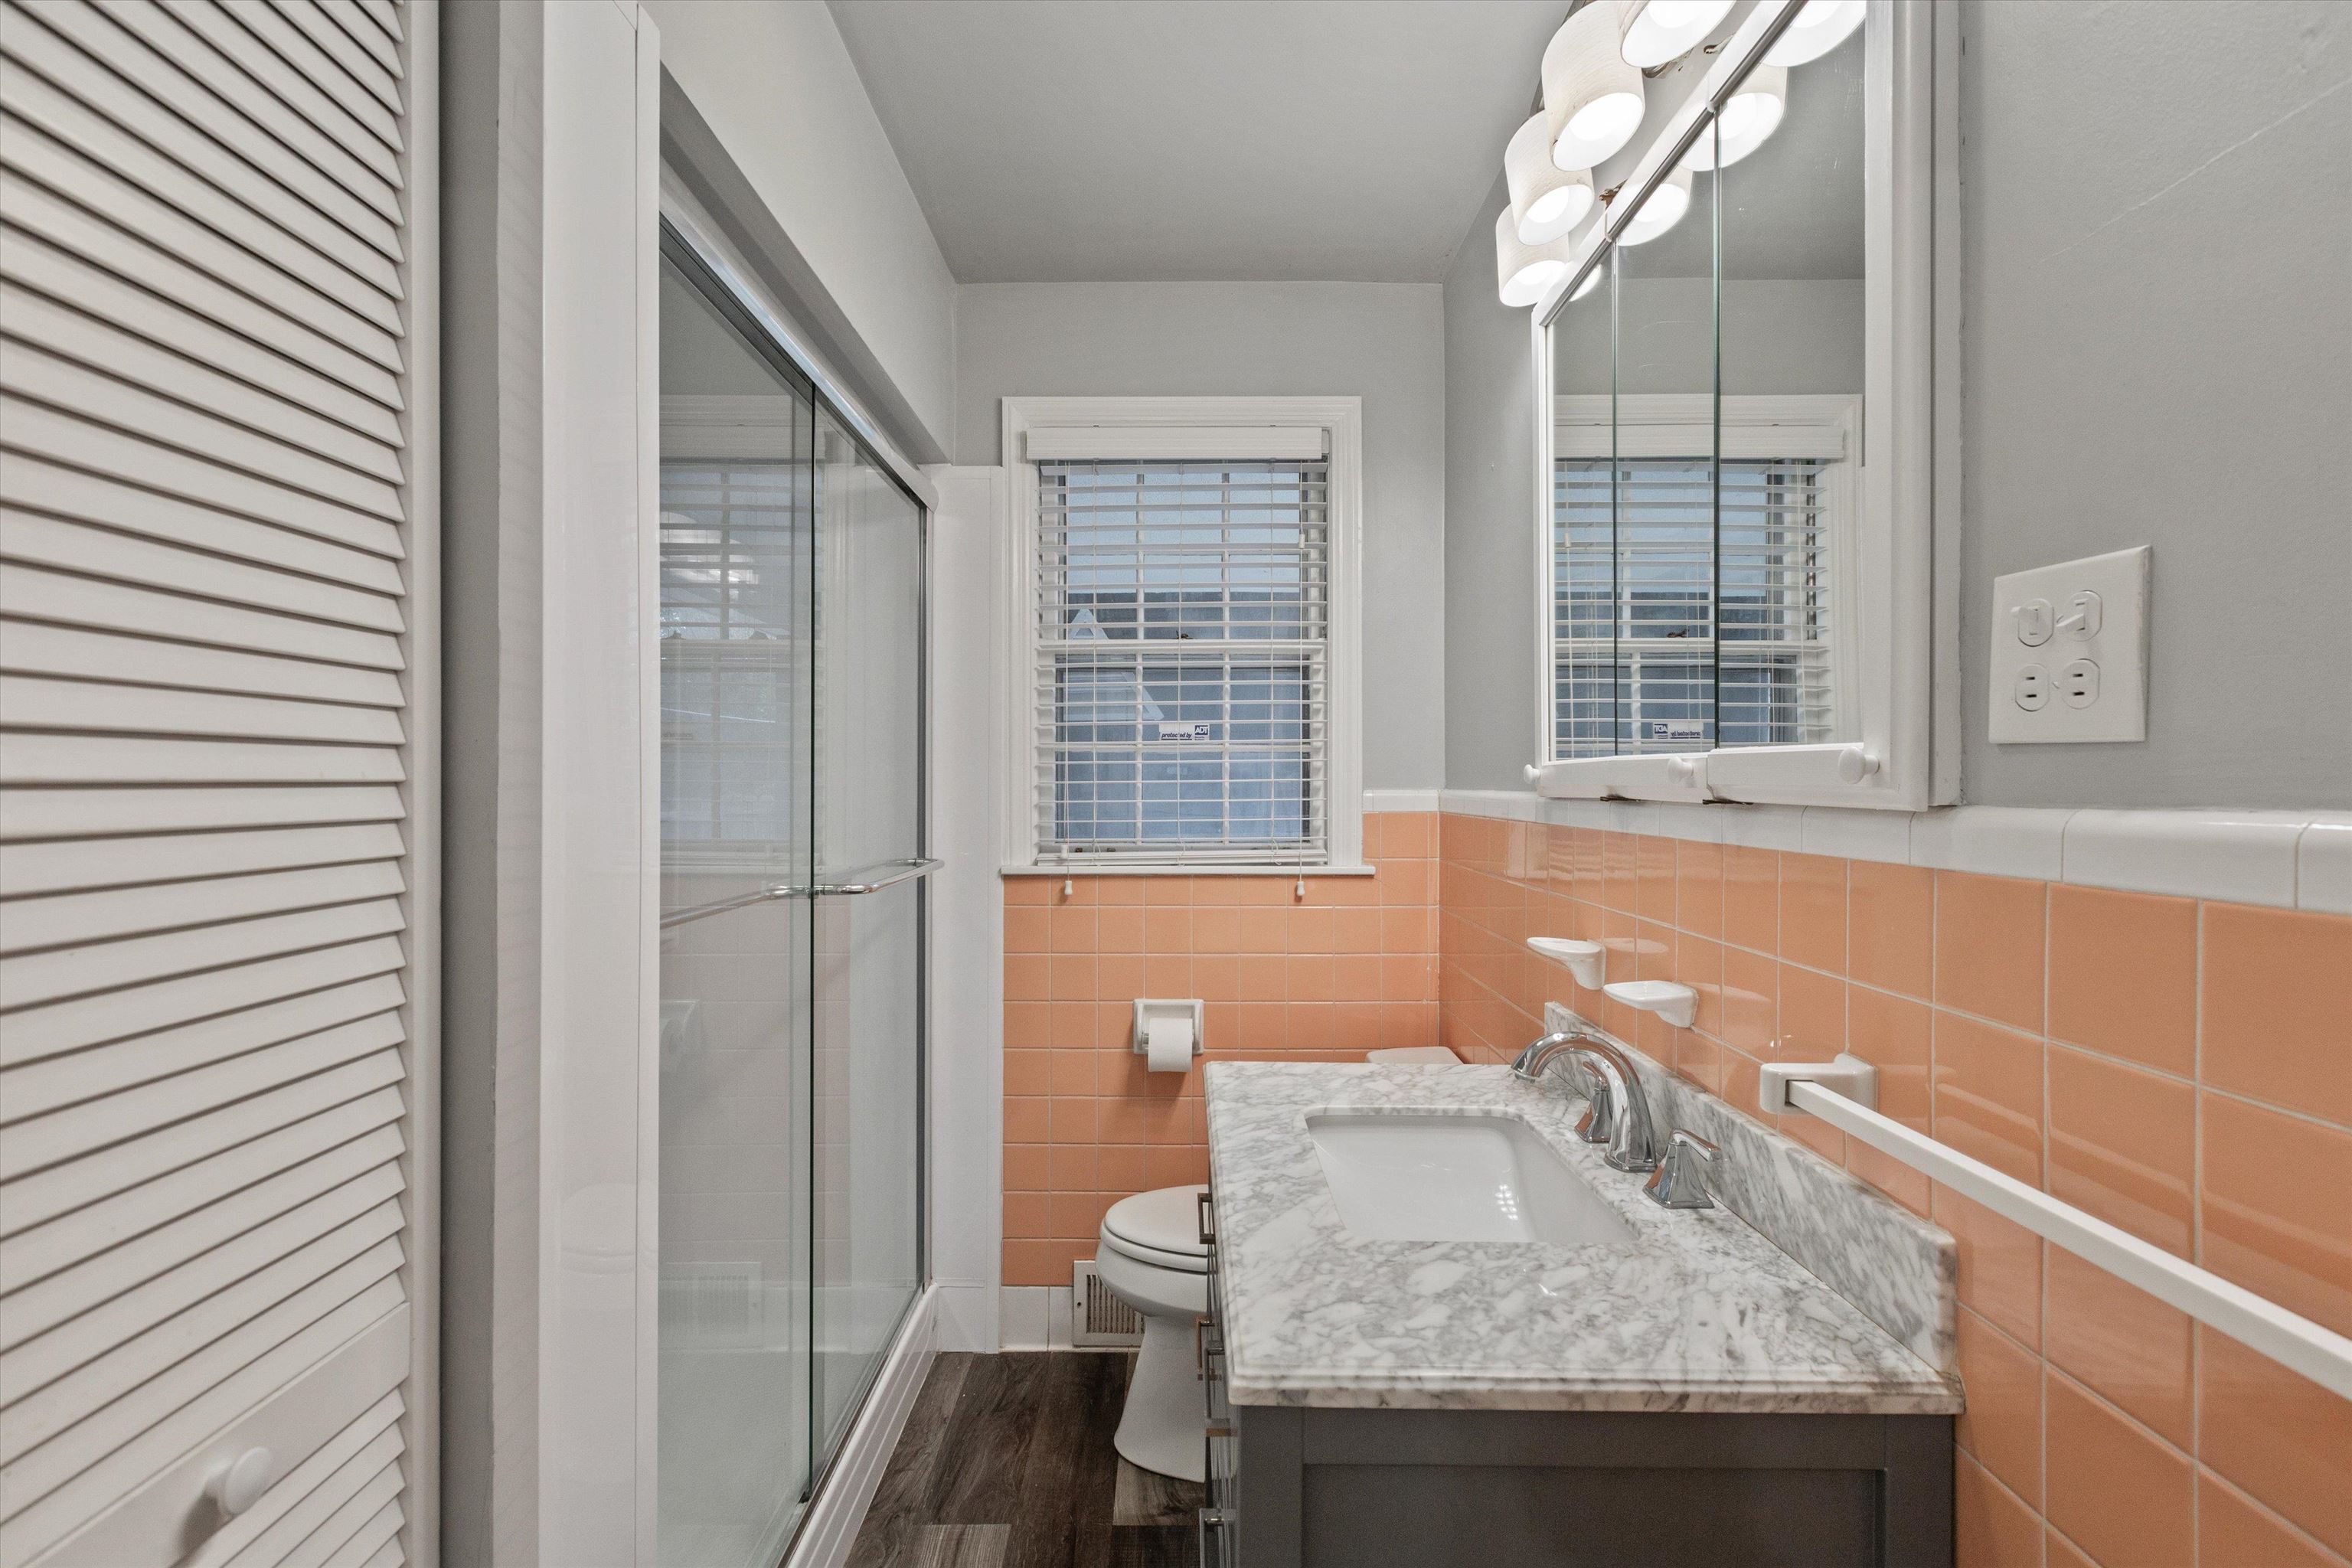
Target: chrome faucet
pixel 1619 1115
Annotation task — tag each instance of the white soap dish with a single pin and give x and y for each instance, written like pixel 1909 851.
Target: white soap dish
pixel 1677 1004
pixel 1587 961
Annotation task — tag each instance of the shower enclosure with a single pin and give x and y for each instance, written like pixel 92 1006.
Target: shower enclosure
pixel 793 903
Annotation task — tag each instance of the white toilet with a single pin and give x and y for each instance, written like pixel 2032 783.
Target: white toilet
pixel 1151 1258
pixel 1151 1255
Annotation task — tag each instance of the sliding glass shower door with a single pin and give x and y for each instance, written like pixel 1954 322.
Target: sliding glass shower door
pixel 790 1121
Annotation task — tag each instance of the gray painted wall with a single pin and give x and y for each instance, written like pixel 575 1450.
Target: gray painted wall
pixel 1490 562
pixel 776 86
pixel 2156 348
pixel 1380 342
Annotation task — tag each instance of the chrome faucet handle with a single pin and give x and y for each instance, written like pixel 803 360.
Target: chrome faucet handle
pixel 1599 1123
pixel 1680 1182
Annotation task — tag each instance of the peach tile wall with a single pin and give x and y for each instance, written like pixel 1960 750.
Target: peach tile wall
pixel 1350 966
pixel 2182 1068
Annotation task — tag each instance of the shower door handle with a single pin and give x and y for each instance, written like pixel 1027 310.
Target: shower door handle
pixel 874 878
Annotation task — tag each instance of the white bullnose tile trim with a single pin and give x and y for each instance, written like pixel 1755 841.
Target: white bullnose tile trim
pixel 2245 857
pixel 1400 800
pixel 2285 860
pixel 2322 876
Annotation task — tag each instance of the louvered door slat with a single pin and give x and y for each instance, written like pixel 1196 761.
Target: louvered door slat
pixel 346 271
pixel 208 428
pixel 29 979
pixel 293 1287
pixel 296 90
pixel 41 1306
pixel 42 431
pixel 169 1220
pixel 379 45
pixel 37 1088
pixel 358 64
pixel 365 1545
pixel 49 868
pixel 262 455
pixel 42 1140
pixel 61 276
pixel 115 227
pixel 174 40
pixel 197 101
pixel 94 602
pixel 36 650
pixel 102 916
pixel 170 373
pixel 289 42
pixel 139 227
pixel 40 760
pixel 312 1490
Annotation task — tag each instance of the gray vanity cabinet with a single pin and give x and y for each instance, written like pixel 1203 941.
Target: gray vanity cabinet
pixel 1318 1487
pixel 1321 1487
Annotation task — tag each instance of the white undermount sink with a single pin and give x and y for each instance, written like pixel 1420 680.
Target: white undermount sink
pixel 1456 1178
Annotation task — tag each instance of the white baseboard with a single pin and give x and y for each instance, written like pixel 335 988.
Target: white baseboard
pixel 1025 1317
pixel 967 1315
pixel 839 1507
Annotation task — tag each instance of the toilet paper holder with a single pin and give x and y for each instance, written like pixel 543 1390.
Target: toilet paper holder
pixel 1148 1008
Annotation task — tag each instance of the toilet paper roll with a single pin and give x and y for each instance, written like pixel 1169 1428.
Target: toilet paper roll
pixel 1168 1047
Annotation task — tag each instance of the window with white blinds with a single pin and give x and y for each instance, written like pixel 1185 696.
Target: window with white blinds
pixel 1672 633
pixel 210 422
pixel 1183 633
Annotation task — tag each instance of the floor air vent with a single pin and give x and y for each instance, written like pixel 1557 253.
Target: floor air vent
pixel 1097 1317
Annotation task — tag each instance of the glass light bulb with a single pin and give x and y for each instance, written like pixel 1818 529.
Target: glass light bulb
pixel 1612 114
pixel 1673 16
pixel 1527 284
pixel 1819 28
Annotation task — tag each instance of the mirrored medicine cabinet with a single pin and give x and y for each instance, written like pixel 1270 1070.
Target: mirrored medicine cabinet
pixel 1734 541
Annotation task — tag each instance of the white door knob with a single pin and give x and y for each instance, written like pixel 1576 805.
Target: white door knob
pixel 238 1484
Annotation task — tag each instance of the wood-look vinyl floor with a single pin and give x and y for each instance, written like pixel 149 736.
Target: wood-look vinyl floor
pixel 1006 1462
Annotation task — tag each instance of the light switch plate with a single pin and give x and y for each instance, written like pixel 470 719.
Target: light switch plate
pixel 2034 693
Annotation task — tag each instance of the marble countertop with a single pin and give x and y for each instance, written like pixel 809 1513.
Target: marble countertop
pixel 1699 1312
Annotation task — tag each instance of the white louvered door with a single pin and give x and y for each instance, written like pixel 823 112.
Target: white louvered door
pixel 217 548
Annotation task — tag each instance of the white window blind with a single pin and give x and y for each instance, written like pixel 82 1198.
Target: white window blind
pixel 1182 636
pixel 1670 636
pixel 208 419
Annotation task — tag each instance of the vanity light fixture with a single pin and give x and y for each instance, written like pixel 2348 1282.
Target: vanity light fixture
pixel 1756 107
pixel 1591 281
pixel 1523 271
pixel 1661 31
pixel 1546 201
pixel 1592 97
pixel 1664 208
pixel 1819 28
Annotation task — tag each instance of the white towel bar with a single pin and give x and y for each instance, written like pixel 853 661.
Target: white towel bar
pixel 2318 1354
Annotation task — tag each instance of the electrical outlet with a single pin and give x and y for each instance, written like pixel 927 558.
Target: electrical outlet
pixel 2069 651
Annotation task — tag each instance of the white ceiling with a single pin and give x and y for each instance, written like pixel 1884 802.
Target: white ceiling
pixel 1156 140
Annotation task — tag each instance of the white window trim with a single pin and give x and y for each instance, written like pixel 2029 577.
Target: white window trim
pixel 1901 705
pixel 1341 420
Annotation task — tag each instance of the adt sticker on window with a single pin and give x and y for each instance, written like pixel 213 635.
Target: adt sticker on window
pixel 1194 732
pixel 1675 731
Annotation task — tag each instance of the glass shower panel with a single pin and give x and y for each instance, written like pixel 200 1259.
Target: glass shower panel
pixel 868 1039
pixel 737 572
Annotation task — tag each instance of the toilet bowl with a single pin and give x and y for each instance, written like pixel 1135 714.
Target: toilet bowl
pixel 1150 1257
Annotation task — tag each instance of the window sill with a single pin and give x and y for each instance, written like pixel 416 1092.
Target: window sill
pixel 1207 868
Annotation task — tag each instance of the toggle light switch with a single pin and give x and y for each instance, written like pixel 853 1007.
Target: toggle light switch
pixel 2032 619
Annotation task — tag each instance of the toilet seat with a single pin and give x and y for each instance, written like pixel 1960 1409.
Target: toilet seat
pixel 1161 1227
